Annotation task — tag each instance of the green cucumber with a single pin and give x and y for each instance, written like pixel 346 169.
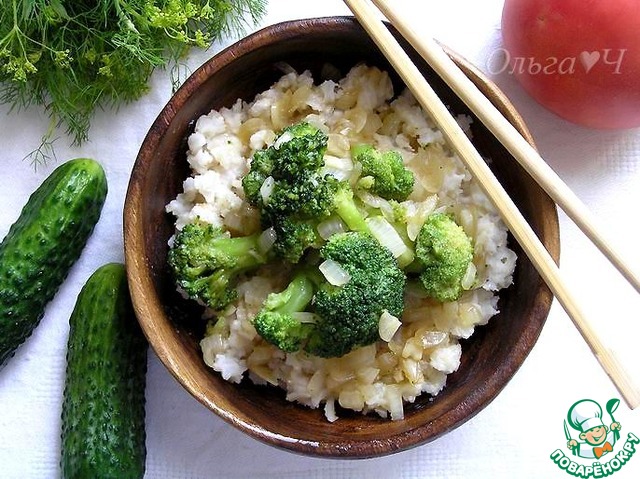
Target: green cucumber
pixel 43 244
pixel 103 431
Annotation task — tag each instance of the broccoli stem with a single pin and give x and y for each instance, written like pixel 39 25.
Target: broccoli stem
pixel 244 248
pixel 294 298
pixel 275 322
pixel 346 208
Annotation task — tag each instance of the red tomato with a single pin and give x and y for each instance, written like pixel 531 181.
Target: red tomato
pixel 578 58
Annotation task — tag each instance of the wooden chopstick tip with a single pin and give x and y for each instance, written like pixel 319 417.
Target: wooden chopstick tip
pixel 626 386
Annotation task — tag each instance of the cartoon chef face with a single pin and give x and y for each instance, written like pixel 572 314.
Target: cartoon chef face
pixel 595 436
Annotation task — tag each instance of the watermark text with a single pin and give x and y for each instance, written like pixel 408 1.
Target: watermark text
pixel 501 61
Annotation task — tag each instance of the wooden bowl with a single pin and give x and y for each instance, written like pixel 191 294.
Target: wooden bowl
pixel 490 358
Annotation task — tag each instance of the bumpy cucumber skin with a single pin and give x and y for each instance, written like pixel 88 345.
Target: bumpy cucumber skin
pixel 103 411
pixel 43 244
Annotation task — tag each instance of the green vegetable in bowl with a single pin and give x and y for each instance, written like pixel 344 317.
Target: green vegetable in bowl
pixel 206 262
pixel 344 314
pixel 297 151
pixel 285 183
pixel 75 56
pixel 350 313
pixel 384 174
pixel 277 322
pixel 443 253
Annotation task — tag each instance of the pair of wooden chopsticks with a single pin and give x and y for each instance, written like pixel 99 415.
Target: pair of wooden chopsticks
pixel 522 151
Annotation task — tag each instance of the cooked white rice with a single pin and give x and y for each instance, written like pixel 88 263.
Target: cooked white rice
pixel 358 109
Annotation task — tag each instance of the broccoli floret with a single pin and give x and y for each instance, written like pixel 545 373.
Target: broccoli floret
pixel 315 201
pixel 308 198
pixel 295 223
pixel 261 168
pixel 444 252
pixel 296 152
pixel 294 211
pixel 345 317
pixel 275 321
pixel 300 149
pixel 293 238
pixel 297 196
pixel 349 314
pixel 384 174
pixel 206 262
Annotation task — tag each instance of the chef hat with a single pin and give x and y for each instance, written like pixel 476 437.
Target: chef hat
pixel 584 415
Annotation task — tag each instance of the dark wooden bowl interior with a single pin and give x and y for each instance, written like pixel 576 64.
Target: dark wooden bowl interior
pixel 490 357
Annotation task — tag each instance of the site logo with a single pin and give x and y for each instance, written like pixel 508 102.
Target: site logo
pixel 595 446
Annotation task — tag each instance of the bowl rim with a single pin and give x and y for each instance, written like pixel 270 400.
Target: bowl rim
pixel 140 280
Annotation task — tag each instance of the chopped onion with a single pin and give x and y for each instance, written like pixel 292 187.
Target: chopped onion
pixel 432 338
pixel 470 315
pixel 371 200
pixel 330 410
pixel 305 317
pixel 357 171
pixel 329 227
pixel 337 173
pixel 387 212
pixel 387 235
pixel 393 395
pixel 418 215
pixel 351 399
pixel 334 273
pixel 344 164
pixel 316 387
pixel 267 188
pixel 388 325
pixel 282 139
pixel 266 240
pixel 469 276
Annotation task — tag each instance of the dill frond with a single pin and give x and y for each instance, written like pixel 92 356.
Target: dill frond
pixel 73 57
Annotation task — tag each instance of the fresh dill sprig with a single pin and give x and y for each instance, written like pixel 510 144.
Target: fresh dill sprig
pixel 76 56
pixel 44 153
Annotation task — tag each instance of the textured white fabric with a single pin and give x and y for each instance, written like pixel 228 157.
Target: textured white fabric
pixel 513 437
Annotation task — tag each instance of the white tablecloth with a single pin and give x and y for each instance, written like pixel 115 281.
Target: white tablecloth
pixel 513 437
